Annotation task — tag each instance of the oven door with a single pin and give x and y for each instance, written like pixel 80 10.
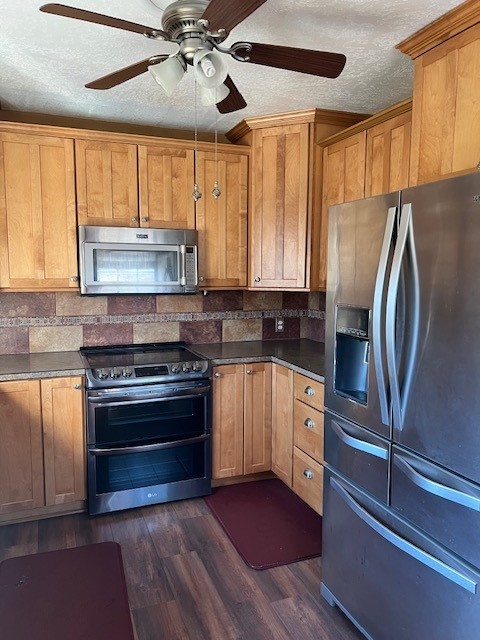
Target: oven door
pixel 148 444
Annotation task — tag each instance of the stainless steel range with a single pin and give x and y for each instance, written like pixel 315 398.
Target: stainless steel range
pixel 148 425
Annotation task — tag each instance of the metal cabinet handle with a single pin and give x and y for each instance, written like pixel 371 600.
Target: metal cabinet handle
pixel 144 219
pixel 201 278
pixel 74 279
pixel 257 279
pixel 356 443
pixel 309 423
pixel 404 545
pixel 435 488
pixel 77 386
pixel 308 473
pixel 478 166
pixel 134 219
pixel 309 391
pixel 249 372
pixel 216 374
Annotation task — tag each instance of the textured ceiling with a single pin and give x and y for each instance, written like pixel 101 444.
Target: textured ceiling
pixel 46 60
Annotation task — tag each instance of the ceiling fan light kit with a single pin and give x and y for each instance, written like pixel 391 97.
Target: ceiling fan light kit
pixel 198 28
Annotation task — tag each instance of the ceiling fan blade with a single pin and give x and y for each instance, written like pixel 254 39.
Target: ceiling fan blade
pixel 122 75
pixel 99 18
pixel 234 101
pixel 226 14
pixel 315 63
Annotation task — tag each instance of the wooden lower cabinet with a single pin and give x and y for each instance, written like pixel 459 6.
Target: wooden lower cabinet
pixel 308 479
pixel 241 433
pixel 282 422
pixel 42 458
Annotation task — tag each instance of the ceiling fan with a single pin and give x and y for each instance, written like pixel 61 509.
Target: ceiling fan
pixel 198 28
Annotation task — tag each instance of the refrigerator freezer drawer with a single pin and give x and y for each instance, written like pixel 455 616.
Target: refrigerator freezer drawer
pixel 357 454
pixel 442 504
pixel 391 580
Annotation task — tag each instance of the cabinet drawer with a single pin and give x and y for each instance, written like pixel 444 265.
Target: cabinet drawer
pixel 308 391
pixel 308 430
pixel 308 479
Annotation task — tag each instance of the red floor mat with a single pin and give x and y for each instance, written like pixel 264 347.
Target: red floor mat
pixel 267 523
pixel 74 594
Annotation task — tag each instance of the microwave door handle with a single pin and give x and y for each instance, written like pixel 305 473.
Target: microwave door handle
pixel 182 254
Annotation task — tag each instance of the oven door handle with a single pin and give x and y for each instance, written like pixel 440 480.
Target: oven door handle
pixel 110 399
pixel 143 448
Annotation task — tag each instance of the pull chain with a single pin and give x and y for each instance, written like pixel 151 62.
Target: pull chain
pixel 196 193
pixel 216 191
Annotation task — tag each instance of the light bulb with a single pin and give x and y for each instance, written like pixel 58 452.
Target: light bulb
pixel 207 66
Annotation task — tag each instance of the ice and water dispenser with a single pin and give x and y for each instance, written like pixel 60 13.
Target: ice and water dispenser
pixel 352 346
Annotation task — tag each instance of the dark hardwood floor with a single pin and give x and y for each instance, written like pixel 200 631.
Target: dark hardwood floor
pixel 186 581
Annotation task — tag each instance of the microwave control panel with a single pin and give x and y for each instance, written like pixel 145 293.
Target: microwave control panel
pixel 190 268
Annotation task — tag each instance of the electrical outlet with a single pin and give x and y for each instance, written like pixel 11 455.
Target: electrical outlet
pixel 279 324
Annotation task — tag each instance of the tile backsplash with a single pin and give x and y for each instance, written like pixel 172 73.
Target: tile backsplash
pixel 39 322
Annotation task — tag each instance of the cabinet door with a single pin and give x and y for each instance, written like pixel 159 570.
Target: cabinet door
pixel 388 155
pixel 166 179
pixel 278 232
pixel 446 109
pixel 38 242
pixel 107 183
pixel 227 431
pixel 63 440
pixel 282 422
pixel 21 459
pixel 222 222
pixel 257 428
pixel 343 181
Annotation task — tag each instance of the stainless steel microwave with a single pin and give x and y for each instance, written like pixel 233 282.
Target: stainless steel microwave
pixel 133 260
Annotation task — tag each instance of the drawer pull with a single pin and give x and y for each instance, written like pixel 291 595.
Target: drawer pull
pixel 308 473
pixel 309 423
pixel 435 488
pixel 309 391
pixel 359 445
pixel 216 374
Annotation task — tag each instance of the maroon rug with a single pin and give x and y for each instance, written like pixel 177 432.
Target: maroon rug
pixel 74 594
pixel 267 523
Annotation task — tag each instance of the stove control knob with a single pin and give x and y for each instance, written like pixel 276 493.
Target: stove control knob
pixel 175 368
pixel 186 367
pixel 126 372
pixel 197 366
pixel 114 373
pixel 102 374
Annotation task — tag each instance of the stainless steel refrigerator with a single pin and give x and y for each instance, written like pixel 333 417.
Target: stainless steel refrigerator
pixel 401 529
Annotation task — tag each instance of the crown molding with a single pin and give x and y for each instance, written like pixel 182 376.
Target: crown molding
pixel 378 118
pixel 450 24
pixel 308 116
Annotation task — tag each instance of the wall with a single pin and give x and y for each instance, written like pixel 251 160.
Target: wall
pixel 39 322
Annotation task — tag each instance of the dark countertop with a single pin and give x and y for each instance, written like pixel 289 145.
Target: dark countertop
pixel 305 356
pixel 41 365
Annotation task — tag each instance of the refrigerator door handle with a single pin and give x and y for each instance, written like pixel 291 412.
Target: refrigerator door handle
pixel 356 443
pixel 377 314
pixel 435 488
pixel 404 545
pixel 390 313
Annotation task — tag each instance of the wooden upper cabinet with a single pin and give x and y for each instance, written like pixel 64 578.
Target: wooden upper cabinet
pixel 446 95
pixel 21 453
pixel 387 161
pixel 107 183
pixel 38 241
pixel 343 181
pixel 63 440
pixel 166 180
pixel 222 222
pixel 278 233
